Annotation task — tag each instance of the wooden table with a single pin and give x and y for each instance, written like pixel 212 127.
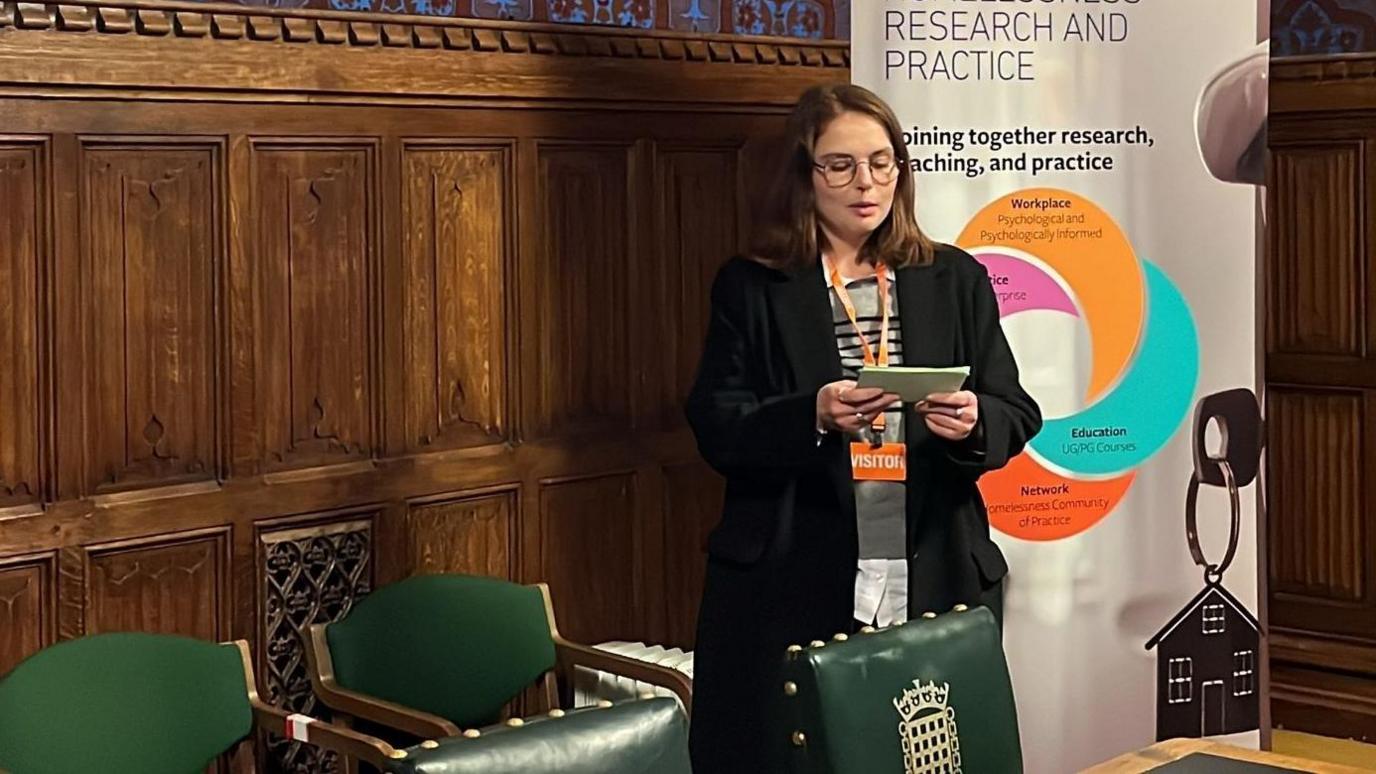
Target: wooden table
pixel 1175 749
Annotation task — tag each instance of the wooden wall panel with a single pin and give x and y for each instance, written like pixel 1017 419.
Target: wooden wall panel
pixel 1317 290
pixel 1318 502
pixel 579 288
pixel 306 394
pixel 293 305
pixel 692 506
pixel 589 555
pixel 697 226
pixel 455 219
pixel 22 239
pixel 1321 397
pixel 170 585
pixel 152 253
pixel 28 589
pixel 470 534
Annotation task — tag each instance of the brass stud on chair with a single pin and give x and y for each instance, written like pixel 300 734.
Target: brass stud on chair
pixel 429 744
pixel 795 648
pixel 929 614
pixel 790 688
pixel 396 755
pixel 799 739
pixel 516 722
pixel 604 703
pixel 867 630
pixel 816 644
pixel 472 733
pixel 556 713
pixel 960 608
pixel 840 637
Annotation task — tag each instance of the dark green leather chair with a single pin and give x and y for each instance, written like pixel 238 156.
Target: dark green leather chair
pixel 932 695
pixel 649 736
pixel 146 704
pixel 433 655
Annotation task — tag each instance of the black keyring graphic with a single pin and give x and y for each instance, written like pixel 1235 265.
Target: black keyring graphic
pixel 1213 573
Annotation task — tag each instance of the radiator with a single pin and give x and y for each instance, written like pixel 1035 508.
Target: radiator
pixel 592 685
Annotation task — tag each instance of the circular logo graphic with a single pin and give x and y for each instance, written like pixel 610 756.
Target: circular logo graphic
pixel 1051 254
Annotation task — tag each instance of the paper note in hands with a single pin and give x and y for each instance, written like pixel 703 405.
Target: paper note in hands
pixel 913 384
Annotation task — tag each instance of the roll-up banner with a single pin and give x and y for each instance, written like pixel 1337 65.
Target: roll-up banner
pixel 1103 161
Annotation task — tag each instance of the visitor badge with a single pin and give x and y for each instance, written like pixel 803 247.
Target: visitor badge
pixel 886 462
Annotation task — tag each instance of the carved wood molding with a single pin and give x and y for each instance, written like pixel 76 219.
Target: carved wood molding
pixel 1317 650
pixel 1323 83
pixel 1334 67
pixel 61 45
pixel 1320 700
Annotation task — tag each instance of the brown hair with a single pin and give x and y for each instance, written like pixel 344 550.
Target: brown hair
pixel 788 234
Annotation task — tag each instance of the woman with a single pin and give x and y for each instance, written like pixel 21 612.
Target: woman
pixel 840 275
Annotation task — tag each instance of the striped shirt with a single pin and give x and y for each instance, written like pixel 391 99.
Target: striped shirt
pixel 881 587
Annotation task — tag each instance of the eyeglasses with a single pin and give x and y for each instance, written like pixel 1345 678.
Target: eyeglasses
pixel 839 171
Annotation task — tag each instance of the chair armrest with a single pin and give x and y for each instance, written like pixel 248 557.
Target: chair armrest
pixel 572 654
pixel 386 713
pixel 323 735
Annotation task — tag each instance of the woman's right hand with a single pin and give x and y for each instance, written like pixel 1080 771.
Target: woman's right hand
pixel 843 406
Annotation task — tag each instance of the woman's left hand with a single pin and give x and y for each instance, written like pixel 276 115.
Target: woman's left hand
pixel 950 415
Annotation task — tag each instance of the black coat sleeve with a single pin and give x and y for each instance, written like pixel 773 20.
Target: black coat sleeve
pixel 740 427
pixel 1008 416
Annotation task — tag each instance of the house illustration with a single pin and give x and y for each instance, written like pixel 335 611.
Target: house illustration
pixel 1207 668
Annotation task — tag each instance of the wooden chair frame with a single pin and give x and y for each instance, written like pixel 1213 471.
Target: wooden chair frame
pixel 350 705
pixel 345 741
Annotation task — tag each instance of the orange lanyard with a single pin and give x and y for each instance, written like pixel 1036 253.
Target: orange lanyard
pixel 839 286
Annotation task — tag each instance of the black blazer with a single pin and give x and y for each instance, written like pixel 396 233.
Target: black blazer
pixel 770 347
pixel 783 558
